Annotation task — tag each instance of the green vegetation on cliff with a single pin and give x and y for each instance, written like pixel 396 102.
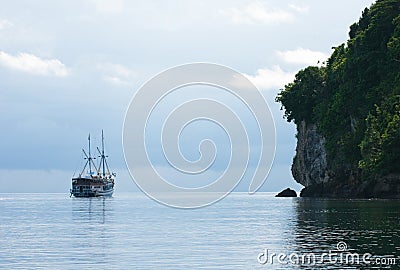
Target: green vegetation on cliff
pixel 355 98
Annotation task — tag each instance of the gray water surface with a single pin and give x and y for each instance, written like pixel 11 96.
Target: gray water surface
pixel 130 231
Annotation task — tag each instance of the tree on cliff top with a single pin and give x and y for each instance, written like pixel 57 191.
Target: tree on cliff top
pixel 350 96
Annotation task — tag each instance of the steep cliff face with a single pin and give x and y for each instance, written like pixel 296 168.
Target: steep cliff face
pixel 310 164
pixel 310 169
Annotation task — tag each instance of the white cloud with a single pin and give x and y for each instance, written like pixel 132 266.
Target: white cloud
pixel 115 80
pixel 116 74
pixel 116 69
pixel 257 13
pixel 30 63
pixel 271 78
pixel 299 9
pixel 108 6
pixel 4 24
pixel 302 56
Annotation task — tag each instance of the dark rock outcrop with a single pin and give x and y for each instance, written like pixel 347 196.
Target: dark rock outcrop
pixel 287 193
pixel 310 169
pixel 386 187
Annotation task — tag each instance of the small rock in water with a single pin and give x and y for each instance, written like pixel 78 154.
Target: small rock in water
pixel 287 193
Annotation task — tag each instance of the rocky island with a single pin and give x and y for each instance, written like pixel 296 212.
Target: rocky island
pixel 347 112
pixel 287 193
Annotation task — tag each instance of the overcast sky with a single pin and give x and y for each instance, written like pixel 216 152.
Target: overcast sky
pixel 68 68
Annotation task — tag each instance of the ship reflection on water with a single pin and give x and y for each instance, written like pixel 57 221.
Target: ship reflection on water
pixel 93 210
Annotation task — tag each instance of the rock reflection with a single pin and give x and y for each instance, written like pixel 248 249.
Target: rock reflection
pixel 367 226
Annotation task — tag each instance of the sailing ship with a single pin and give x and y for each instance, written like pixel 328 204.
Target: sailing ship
pixel 99 182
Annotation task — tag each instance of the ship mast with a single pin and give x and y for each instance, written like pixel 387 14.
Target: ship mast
pixel 103 158
pixel 90 158
pixel 103 161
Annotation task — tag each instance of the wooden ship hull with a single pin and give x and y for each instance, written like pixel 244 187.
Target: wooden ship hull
pixel 91 187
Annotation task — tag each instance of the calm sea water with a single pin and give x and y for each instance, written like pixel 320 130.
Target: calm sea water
pixel 130 231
